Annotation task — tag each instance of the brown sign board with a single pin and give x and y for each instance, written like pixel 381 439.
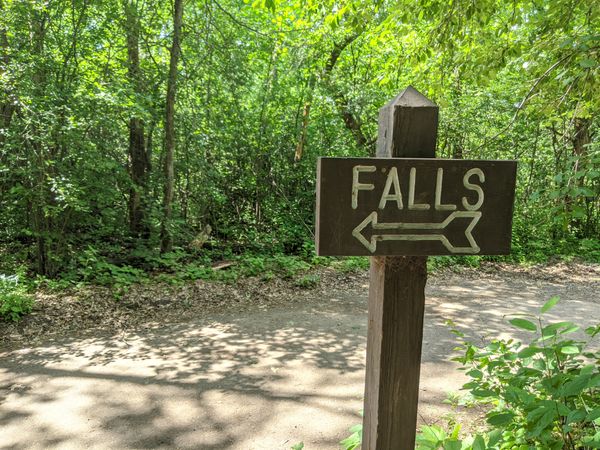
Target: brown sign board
pixel 414 206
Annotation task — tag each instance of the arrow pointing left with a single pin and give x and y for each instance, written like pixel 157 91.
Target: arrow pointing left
pixel 371 244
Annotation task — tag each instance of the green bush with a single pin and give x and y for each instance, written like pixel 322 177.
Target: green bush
pixel 544 394
pixel 441 262
pixel 265 266
pixel 352 264
pixel 308 281
pixel 194 272
pixel 541 395
pixel 93 268
pixel 252 266
pixel 288 266
pixel 14 299
pixel 353 441
pixel 590 249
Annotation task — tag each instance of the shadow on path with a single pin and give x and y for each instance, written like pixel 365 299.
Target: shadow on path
pixel 265 379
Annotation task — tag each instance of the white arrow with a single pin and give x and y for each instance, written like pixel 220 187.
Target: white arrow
pixel 372 244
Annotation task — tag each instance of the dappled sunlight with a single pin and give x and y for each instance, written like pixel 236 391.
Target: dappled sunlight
pixel 192 385
pixel 492 302
pixel 259 379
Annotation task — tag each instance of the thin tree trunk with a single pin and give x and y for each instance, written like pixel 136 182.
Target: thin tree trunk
pixel 458 148
pixel 166 237
pixel 6 104
pixel 581 139
pixel 351 120
pixel 305 119
pixel 138 158
pixel 581 136
pixel 41 222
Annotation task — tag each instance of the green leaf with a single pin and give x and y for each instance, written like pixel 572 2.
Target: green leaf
pixel 298 446
pixel 592 331
pixel 528 352
pixel 571 329
pixel 494 437
pixel 550 304
pixel 500 419
pixel 576 386
pixel 433 434
pixel 351 442
pixel 356 428
pixel 483 393
pixel 544 422
pixel 478 443
pixel 593 415
pixel 570 350
pixel 588 63
pixel 576 416
pixel 552 329
pixel 455 431
pixel 523 324
pixel 592 442
pixel 452 445
pixel 474 373
pixel 587 370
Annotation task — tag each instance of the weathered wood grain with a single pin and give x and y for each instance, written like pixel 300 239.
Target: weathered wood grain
pixel 439 185
pixel 407 128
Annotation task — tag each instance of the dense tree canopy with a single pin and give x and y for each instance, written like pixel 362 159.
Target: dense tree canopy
pixel 127 124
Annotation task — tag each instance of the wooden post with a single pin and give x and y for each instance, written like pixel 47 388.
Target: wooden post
pixel 407 128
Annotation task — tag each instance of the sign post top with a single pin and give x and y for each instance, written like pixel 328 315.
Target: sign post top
pixel 407 126
pixel 410 98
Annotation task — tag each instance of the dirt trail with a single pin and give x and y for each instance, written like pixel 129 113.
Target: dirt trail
pixel 287 365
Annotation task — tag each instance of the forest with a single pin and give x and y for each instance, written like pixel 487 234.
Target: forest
pixel 159 282
pixel 140 135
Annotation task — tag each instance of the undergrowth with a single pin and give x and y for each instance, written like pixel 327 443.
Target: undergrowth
pixel 119 268
pixel 15 301
pixel 540 394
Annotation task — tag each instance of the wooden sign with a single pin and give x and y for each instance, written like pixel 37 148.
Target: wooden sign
pixel 398 208
pixel 414 206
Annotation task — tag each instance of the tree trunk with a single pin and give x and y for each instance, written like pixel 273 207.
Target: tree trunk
pixel 166 237
pixel 138 158
pixel 351 120
pixel 6 104
pixel 581 140
pixel 42 223
pixel 581 136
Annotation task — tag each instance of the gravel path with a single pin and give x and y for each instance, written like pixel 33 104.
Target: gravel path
pixel 251 365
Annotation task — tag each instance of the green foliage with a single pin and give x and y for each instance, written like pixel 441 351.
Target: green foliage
pixel 433 437
pixel 308 281
pixel 298 446
pixel 281 265
pixel 14 299
pixel 264 267
pixel 94 268
pixel 540 394
pixel 178 267
pixel 352 264
pixel 439 262
pixel 513 80
pixel 289 266
pixel 544 393
pixel 353 441
pixel 253 266
pixel 193 271
pixel 591 249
